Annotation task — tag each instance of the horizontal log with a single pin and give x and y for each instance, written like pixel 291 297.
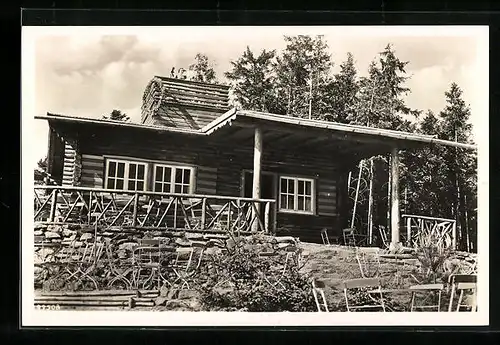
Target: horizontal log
pixel 91 157
pixel 98 292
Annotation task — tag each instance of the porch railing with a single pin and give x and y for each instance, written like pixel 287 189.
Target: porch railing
pixel 150 210
pixel 443 229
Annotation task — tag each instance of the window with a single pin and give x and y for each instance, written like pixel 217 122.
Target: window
pixel 126 175
pixel 296 195
pixel 172 179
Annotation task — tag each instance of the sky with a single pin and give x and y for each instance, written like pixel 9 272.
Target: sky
pixel 89 71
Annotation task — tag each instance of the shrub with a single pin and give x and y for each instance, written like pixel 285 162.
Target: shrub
pixel 238 278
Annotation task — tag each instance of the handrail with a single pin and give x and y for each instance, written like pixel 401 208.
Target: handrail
pixel 427 217
pixel 119 191
pixel 146 209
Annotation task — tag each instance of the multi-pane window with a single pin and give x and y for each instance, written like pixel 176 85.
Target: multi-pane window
pixel 172 179
pixel 125 175
pixel 296 194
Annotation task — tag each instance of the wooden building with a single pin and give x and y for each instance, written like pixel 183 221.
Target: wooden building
pixel 191 142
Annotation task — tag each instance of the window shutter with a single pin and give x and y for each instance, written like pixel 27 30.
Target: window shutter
pixel 206 180
pixel 327 197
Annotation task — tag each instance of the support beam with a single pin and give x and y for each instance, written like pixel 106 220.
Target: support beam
pixel 257 168
pixel 394 197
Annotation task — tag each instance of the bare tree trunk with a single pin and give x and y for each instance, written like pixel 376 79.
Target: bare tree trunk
pixel 389 193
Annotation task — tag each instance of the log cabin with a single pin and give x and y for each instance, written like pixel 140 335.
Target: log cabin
pixel 191 144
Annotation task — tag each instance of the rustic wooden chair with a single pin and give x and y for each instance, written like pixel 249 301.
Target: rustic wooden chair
pixel 429 291
pixel 466 282
pixel 361 284
pixel 318 287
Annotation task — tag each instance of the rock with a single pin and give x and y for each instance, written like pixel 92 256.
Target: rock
pixel 67 233
pixel 161 301
pixel 87 229
pixel 175 304
pixel 86 236
pixel 44 252
pixel 283 245
pixel 122 254
pixel 128 246
pixel 77 244
pixel 50 234
pixel 38 233
pixel 74 226
pixel 182 242
pixel 54 228
pixel 72 237
pixel 187 294
pixel 194 236
pixel 289 239
pixel 164 240
pixel 40 226
pixel 56 240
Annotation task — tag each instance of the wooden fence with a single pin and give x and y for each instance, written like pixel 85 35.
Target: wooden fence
pixel 150 210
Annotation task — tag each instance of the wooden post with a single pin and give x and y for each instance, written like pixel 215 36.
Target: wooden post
pixel 454 239
pixel 267 214
pixel 370 205
pixel 394 197
pixel 53 205
pixel 408 232
pixel 357 194
pixel 257 167
pixel 136 205
pixel 203 213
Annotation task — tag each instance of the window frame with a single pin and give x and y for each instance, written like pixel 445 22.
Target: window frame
pixel 173 168
pixel 126 172
pixel 296 193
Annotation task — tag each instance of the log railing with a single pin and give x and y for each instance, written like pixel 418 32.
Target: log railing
pixel 444 230
pixel 150 210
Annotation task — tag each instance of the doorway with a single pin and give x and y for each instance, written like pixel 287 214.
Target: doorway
pixel 268 189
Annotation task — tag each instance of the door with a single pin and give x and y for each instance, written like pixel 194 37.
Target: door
pixel 267 191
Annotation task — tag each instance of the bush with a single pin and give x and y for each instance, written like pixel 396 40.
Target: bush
pixel 238 278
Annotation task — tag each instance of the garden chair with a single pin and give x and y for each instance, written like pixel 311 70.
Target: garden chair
pixel 82 261
pixel 318 287
pixel 273 257
pixel 368 262
pixel 462 283
pixel 188 262
pixel 352 238
pixel 324 237
pixel 182 266
pixel 148 258
pixel 429 291
pixel 356 285
pixel 383 236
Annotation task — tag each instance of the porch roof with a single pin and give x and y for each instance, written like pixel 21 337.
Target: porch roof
pixel 327 129
pixel 284 131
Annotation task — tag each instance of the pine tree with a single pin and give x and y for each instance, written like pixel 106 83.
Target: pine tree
pixel 203 70
pixel 343 92
pixel 381 98
pixel 303 73
pixel 462 165
pixel 116 115
pixel 252 80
